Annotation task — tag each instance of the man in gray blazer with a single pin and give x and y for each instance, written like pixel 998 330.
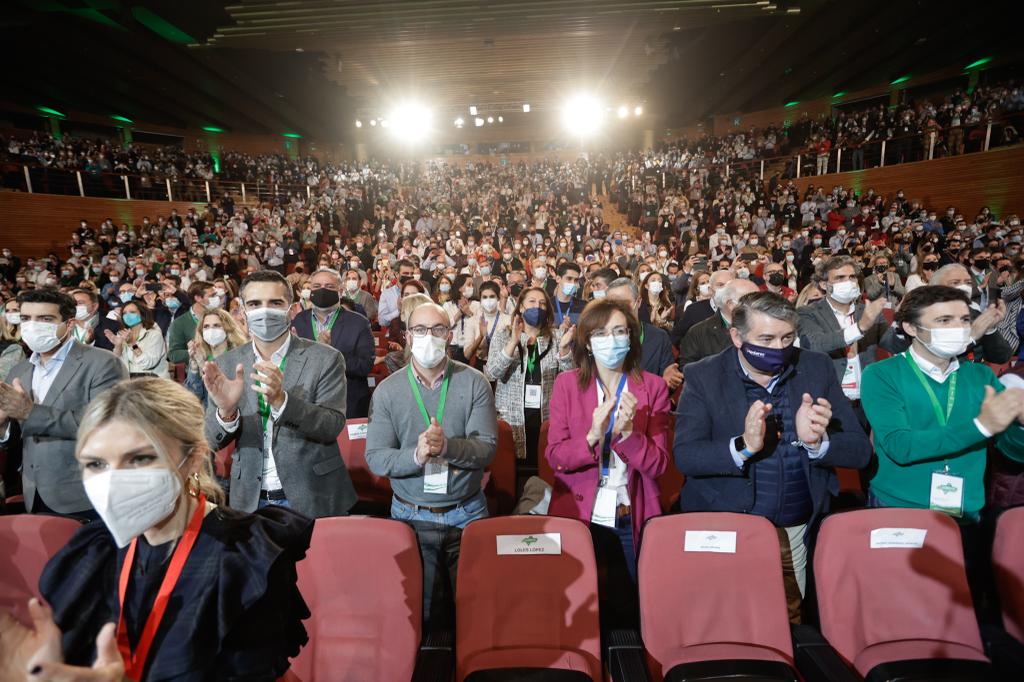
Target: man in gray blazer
pixel 281 400
pixel 43 398
pixel 842 326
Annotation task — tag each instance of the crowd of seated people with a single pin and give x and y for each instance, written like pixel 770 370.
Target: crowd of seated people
pixel 498 293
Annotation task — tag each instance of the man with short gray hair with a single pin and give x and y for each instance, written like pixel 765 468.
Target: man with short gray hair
pixel 656 348
pixel 711 336
pixel 761 427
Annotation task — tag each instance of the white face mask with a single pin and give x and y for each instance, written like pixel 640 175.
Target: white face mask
pixel 131 501
pixel 845 292
pixel 13 318
pixel 352 286
pixel 489 304
pixel 40 336
pixel 947 342
pixel 655 287
pixel 704 289
pixel 267 324
pixel 540 273
pixel 743 273
pixel 966 288
pixel 428 350
pixel 214 336
pixel 81 312
pixel 599 293
pixel 213 302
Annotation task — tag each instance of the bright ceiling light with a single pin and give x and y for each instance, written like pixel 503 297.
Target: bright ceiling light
pixel 384 123
pixel 478 121
pixel 472 110
pixel 638 111
pixel 410 121
pixel 373 121
pixel 490 119
pixel 359 124
pixel 459 122
pixel 526 108
pixel 582 114
pixel 623 111
pixel 501 119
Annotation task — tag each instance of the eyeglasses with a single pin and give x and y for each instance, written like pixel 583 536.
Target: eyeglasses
pixel 438 331
pixel 617 332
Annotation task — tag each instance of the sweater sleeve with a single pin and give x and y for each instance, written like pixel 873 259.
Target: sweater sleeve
pixel 883 396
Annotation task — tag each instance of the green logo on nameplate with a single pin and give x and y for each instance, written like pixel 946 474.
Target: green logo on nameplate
pixel 948 488
pixel 529 540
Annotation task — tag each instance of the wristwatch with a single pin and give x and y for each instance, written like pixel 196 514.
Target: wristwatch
pixel 741 447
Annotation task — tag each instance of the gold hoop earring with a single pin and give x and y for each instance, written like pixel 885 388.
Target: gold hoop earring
pixel 193 485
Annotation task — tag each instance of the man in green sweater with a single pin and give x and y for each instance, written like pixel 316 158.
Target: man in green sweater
pixel 932 416
pixel 183 328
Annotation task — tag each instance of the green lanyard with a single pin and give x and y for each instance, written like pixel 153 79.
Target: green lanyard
pixel 641 333
pixel 419 398
pixel 950 399
pixel 531 359
pixel 330 324
pixel 262 401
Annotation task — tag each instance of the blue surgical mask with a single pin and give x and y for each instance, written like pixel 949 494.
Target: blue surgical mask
pixel 172 303
pixel 610 350
pixel 126 296
pixel 132 319
pixel 568 288
pixel 768 360
pixel 535 316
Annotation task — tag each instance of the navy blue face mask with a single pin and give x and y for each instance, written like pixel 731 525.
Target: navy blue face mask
pixel 768 360
pixel 535 316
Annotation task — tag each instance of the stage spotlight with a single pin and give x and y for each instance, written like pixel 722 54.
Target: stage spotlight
pixel 359 124
pixel 501 119
pixel 373 122
pixel 526 108
pixel 459 122
pixel 582 114
pixel 410 121
pixel 478 121
pixel 623 111
pixel 490 119
pixel 638 111
pixel 472 110
pixel 384 123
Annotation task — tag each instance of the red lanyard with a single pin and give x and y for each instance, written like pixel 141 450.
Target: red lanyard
pixel 135 664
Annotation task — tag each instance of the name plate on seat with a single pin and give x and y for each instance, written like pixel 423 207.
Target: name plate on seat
pixel 716 541
pixel 537 543
pixel 906 538
pixel 357 431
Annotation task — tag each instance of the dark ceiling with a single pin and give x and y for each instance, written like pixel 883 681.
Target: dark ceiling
pixel 266 66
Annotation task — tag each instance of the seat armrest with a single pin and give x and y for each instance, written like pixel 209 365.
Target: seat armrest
pixel 436 659
pixel 626 661
pixel 816 660
pixel 1004 650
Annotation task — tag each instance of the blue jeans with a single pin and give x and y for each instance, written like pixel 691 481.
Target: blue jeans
pixel 624 531
pixel 439 537
pixel 274 503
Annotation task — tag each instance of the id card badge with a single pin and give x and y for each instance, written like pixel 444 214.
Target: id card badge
pixel 947 493
pixel 605 507
pixel 533 396
pixel 435 476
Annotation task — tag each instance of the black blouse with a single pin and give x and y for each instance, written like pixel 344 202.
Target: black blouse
pixel 235 613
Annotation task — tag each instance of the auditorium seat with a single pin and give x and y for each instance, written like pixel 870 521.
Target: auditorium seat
pixel 370 488
pixel 179 371
pixel 670 483
pixel 526 601
pixel 712 600
pixel 1008 569
pixel 222 460
pixel 500 487
pixel 544 470
pixel 28 542
pixel 893 596
pixel 363 582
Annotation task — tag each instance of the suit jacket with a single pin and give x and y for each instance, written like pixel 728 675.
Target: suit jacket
pixel 698 310
pixel 990 348
pixel 47 437
pixel 350 336
pixel 820 331
pixel 577 467
pixel 656 352
pixel 712 411
pixel 707 337
pixel 306 452
pixel 99 337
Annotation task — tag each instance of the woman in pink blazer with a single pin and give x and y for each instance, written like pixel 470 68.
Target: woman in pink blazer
pixel 608 439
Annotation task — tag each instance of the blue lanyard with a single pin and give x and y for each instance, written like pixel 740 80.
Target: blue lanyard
pixel 558 306
pixel 606 450
pixel 493 326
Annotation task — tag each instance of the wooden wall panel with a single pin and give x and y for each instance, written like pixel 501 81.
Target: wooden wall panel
pixel 35 224
pixel 994 179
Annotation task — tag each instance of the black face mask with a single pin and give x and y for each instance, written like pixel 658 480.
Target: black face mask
pixel 930 266
pixel 776 279
pixel 981 263
pixel 324 298
pixel 881 269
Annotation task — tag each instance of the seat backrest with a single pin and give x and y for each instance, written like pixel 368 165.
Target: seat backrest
pixel 352 443
pixel 501 488
pixel 363 582
pixel 670 483
pixel 879 582
pixel 544 470
pixel 29 541
pixel 529 606
pixel 1008 568
pixel 709 578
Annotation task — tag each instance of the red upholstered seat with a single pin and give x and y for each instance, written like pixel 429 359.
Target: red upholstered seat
pixel 28 542
pixel 500 485
pixel 712 606
pixel 363 582
pixel 527 610
pixel 369 487
pixel 894 603
pixel 1008 567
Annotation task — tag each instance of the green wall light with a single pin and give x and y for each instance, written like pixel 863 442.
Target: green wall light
pixel 790 105
pixel 50 112
pixel 213 129
pixel 980 62
pixel 901 79
pixel 122 119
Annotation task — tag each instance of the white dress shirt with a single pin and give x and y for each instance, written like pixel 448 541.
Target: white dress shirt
pixel 43 376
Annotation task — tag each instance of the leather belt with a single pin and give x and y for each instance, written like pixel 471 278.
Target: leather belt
pixel 275 495
pixel 433 510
